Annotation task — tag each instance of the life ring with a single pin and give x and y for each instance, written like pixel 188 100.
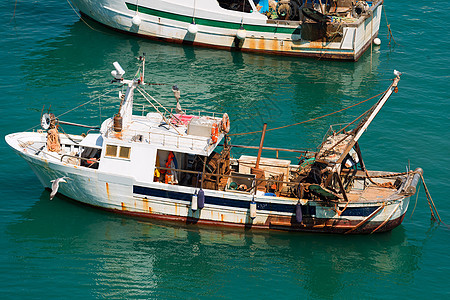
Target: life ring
pixel 214 133
pixel 46 121
pixel 225 123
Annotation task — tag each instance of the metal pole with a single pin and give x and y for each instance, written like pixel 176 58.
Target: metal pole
pixel 258 158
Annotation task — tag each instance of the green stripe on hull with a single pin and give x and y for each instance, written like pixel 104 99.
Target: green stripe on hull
pixel 212 23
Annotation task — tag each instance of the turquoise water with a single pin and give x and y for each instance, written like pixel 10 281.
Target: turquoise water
pixel 60 249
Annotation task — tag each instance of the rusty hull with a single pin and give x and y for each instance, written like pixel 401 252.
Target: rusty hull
pixel 275 50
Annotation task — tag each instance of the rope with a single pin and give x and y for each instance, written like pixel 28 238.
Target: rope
pixel 390 35
pixel 87 102
pixel 415 204
pixel 53 144
pixel 430 202
pixel 387 219
pixel 366 219
pixel 14 13
pixel 81 18
pixel 252 83
pixel 310 120
pixel 68 136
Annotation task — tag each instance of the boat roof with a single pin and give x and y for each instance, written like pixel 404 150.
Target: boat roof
pixel 181 133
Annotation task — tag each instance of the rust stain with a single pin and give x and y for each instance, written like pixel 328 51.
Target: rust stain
pixel 107 191
pixel 145 202
pixel 249 43
pixel 261 43
pixel 221 217
pixel 275 44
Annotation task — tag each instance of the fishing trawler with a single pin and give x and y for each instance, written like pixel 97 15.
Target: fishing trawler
pixel 339 29
pixel 178 165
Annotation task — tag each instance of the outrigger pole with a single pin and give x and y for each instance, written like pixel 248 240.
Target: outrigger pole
pixel 362 127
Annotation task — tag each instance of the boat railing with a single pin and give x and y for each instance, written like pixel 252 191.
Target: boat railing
pixel 199 113
pixel 144 109
pixel 303 152
pixel 166 140
pixel 178 141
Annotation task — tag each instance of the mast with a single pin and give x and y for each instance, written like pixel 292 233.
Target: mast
pixel 126 109
pixel 362 127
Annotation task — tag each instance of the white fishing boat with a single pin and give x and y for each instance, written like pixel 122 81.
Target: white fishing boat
pixel 174 166
pixel 338 29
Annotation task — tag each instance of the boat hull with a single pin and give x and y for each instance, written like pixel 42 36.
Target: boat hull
pixel 169 21
pixel 127 196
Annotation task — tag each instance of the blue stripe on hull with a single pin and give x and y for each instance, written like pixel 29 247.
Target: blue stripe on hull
pixel 307 210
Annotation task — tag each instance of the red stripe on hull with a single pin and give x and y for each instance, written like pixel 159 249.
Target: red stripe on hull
pixel 273 222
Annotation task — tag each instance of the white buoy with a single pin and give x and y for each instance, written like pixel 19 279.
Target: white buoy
pixel 377 41
pixel 253 209
pixel 194 203
pixel 136 21
pixel 241 34
pixel 193 28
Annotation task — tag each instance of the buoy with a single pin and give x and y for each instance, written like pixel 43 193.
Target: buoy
pixel 298 212
pixel 200 199
pixel 193 28
pixel 194 202
pixel 241 34
pixel 136 21
pixel 253 209
pixel 225 123
pixel 377 41
pixel 214 133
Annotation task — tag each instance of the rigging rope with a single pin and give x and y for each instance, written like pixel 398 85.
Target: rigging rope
pixel 310 120
pixel 87 102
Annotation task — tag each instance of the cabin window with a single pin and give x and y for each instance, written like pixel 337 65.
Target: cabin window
pixel 236 5
pixel 118 151
pixel 111 150
pixel 124 152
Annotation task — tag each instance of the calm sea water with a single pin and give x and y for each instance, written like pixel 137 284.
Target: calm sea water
pixel 60 249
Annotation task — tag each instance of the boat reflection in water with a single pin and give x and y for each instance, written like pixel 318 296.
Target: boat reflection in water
pixel 111 256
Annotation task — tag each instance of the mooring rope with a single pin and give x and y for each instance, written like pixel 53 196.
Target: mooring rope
pixel 415 203
pixel 390 35
pixel 430 202
pixel 81 18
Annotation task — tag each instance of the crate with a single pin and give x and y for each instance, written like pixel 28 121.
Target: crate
pixel 200 127
pixel 271 166
pixel 238 179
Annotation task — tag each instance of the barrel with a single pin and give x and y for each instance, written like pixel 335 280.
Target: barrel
pixel 117 123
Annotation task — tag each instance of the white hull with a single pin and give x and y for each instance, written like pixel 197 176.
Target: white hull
pixel 217 27
pixel 126 195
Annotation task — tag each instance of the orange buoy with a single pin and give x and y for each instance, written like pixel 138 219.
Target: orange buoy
pixel 214 133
